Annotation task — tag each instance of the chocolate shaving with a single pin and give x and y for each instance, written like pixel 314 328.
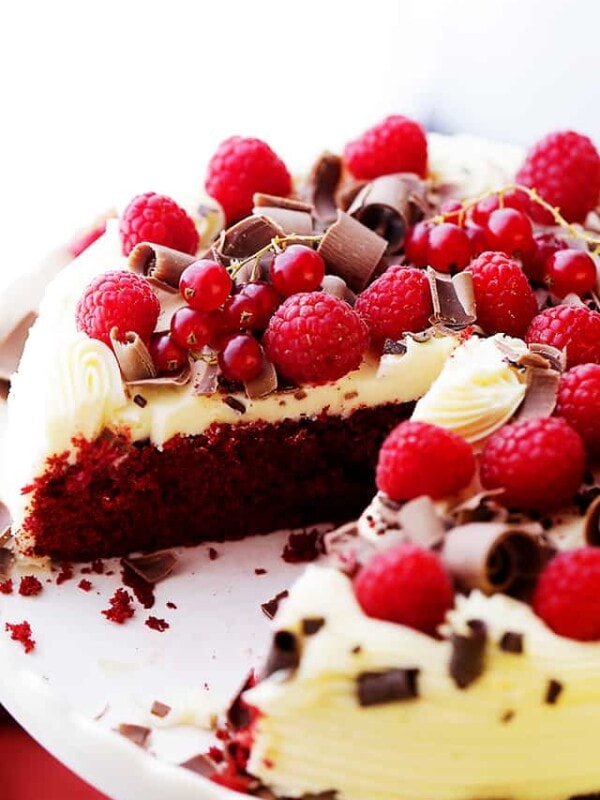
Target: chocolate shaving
pixel 541 395
pixel 245 238
pixel 160 710
pixel 394 348
pixel 453 299
pixel 591 527
pixel 420 522
pixel 262 200
pixel 376 688
pixel 492 556
pixel 238 714
pixel 5 527
pixel 468 654
pixel 507 716
pixel 284 654
pixel 235 404
pixel 553 691
pixel 352 251
pixel 7 560
pixel 201 765
pixel 312 625
pixel 271 606
pixel 511 642
pixel 138 734
pixel 152 567
pixel 135 361
pixel 265 382
pixel 389 205
pixel 322 184
pixel 291 215
pixel 337 287
pixel 179 378
pixel 161 263
pixel 170 299
pixel 204 377
pixel 556 357
pixel 140 401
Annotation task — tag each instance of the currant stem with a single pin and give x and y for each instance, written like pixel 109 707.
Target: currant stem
pixel 277 244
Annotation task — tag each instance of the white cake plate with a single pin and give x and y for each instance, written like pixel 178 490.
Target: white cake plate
pixel 86 675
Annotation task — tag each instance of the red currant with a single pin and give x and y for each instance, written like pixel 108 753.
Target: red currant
pixel 509 231
pixel 518 199
pixel 483 208
pixel 167 355
pixel 297 269
pixel 192 329
pixel 415 246
pixel 240 312
pixel 570 271
pixel 241 358
pixel 534 263
pixel 266 301
pixel 477 238
pixel 452 211
pixel 449 248
pixel 205 285
pixel 513 198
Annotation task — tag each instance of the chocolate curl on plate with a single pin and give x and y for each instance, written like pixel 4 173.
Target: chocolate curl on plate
pixel 321 186
pixel 492 557
pixel 337 287
pixel 245 238
pixel 135 361
pixel 204 377
pixel 591 529
pixel 389 205
pixel 352 251
pixel 161 263
pixel 265 382
pixel 170 299
pixel 292 216
pixel 453 299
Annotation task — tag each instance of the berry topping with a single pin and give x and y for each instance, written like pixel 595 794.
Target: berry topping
pixel 567 595
pixel 504 299
pixel 117 299
pixel 156 218
pixel 297 269
pixel 397 302
pixel 574 328
pixel 241 358
pixel 570 271
pixel 564 168
pixel 448 248
pixel 477 238
pixel 407 585
pixel 509 231
pixel 266 301
pixel 417 242
pixel 422 459
pixel 538 462
pixel 167 355
pixel 240 312
pixel 578 403
pixel 205 285
pixel 315 338
pixel 396 144
pixel 534 262
pixel 239 168
pixel 192 329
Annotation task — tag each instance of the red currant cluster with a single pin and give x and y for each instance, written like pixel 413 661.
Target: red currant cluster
pixel 228 318
pixel 501 222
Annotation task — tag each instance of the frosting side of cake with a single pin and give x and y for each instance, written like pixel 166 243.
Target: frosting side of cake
pixel 504 735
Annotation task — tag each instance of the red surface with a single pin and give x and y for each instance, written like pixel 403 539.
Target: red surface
pixel 28 772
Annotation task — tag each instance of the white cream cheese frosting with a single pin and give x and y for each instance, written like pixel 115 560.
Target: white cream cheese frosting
pixel 497 738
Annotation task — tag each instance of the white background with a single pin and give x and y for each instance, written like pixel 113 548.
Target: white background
pixel 101 100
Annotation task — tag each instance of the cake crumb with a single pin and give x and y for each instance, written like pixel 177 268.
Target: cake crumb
pixel 303 546
pixel 29 586
pixel 260 571
pixel 170 604
pixel 120 607
pixel 6 587
pixel 84 585
pixel 213 553
pixel 156 624
pixel 65 574
pixel 21 632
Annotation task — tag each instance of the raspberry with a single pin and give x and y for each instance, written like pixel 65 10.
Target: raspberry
pixel 504 299
pixel 538 462
pixel 156 218
pixel 407 585
pixel 239 168
pixel 567 595
pixel 578 403
pixel 564 167
pixel 397 144
pixel 421 459
pixel 118 299
pixel 398 301
pixel 573 328
pixel 314 338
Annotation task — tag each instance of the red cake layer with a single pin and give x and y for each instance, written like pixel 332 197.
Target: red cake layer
pixel 234 480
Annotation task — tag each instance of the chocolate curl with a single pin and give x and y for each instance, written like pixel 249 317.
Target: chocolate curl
pixel 492 557
pixel 389 205
pixel 467 661
pixel 321 186
pixel 179 378
pixel 453 299
pixel 420 522
pixel 161 263
pixel 591 528
pixel 170 300
pixel 265 382
pixel 292 216
pixel 152 567
pixel 541 394
pixel 134 359
pixel 204 377
pixel 337 287
pixel 245 238
pixel 556 358
pixel 352 251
